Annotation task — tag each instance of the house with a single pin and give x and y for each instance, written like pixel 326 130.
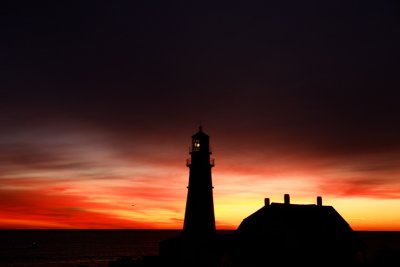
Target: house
pixel 279 234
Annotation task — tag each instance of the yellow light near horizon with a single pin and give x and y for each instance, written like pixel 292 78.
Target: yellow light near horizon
pixel 360 213
pixel 369 214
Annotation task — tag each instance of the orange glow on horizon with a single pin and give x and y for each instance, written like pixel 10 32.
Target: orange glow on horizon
pixel 92 187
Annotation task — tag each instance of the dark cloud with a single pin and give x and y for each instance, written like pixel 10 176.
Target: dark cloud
pixel 33 157
pixel 325 73
pixel 317 77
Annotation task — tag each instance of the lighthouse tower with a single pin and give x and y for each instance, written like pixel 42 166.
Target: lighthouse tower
pixel 199 215
pixel 197 246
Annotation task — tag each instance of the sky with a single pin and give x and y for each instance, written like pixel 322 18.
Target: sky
pixel 99 100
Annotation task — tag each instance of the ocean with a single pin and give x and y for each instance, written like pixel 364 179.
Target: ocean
pixel 96 248
pixel 72 248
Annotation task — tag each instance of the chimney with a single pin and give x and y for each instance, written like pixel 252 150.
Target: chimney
pixel 266 201
pixel 319 201
pixel 287 199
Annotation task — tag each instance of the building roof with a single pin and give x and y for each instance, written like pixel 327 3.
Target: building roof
pixel 200 134
pixel 308 221
pixel 292 229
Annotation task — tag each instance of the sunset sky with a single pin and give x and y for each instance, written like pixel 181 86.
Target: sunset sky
pixel 99 100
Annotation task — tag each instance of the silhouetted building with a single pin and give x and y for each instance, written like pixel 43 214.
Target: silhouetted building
pixel 278 234
pixel 197 244
pixel 199 215
pixel 282 233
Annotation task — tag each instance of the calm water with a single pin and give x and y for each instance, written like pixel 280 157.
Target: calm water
pixel 95 248
pixel 71 248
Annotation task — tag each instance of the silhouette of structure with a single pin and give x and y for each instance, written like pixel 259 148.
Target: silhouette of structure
pixel 197 244
pixel 284 233
pixel 278 234
pixel 199 215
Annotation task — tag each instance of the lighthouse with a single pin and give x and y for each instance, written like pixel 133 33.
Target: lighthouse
pixel 197 246
pixel 199 215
